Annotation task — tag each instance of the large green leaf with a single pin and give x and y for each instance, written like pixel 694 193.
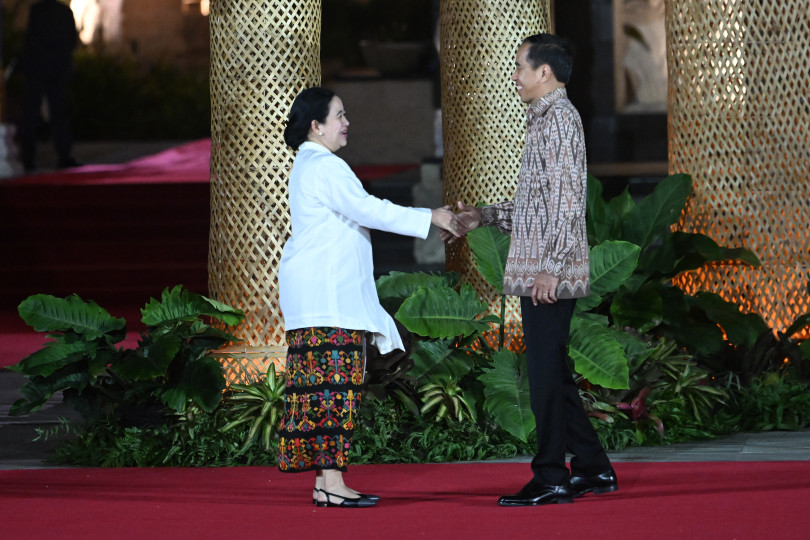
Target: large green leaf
pixel 506 391
pixel 394 288
pixel 177 304
pixel 153 363
pixel 490 248
pixel 612 262
pixel 202 383
pixel 46 313
pixel 52 357
pixel 654 214
pixel 597 222
pixel 799 324
pixel 621 206
pixel 588 303
pixel 689 328
pixel 437 357
pixel 740 328
pixel 642 309
pixel 635 350
pixel 37 391
pixel 35 395
pixel 739 254
pixel 604 219
pixel 441 312
pixel 597 355
pixel 680 252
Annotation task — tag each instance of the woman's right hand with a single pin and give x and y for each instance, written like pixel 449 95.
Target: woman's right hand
pixel 446 220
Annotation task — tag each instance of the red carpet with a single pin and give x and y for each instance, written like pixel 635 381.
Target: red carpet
pixel 754 500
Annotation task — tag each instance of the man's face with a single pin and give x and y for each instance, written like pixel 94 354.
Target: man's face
pixel 529 81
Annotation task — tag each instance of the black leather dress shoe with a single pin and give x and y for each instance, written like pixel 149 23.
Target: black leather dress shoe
pixel 600 483
pixel 534 494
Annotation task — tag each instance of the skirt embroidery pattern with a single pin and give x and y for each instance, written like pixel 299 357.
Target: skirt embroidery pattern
pixel 324 374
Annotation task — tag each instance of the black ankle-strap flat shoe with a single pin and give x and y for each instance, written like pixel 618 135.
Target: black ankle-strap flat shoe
pixel 346 502
pixel 368 496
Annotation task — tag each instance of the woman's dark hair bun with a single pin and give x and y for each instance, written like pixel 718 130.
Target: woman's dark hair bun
pixel 311 104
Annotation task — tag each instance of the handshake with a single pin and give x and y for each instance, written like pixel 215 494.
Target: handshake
pixel 455 225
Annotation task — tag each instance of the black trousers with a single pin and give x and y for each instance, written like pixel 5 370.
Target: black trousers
pixel 55 90
pixel 562 423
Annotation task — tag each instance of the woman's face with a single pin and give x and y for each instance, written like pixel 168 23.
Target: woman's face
pixel 333 133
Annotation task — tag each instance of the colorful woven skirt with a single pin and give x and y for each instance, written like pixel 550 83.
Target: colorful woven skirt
pixel 325 370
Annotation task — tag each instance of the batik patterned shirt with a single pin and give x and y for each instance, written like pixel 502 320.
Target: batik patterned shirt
pixel 546 219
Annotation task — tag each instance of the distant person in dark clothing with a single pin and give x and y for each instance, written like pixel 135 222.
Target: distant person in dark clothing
pixel 47 64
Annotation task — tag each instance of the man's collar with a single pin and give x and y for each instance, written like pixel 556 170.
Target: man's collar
pixel 544 103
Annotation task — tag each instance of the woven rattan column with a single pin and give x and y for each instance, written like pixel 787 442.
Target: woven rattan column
pixel 739 77
pixel 483 118
pixel 262 55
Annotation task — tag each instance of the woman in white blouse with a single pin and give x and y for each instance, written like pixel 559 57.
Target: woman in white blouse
pixel 328 297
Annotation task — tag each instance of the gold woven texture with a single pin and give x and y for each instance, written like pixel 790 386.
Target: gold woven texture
pixel 482 116
pixel 262 55
pixel 739 77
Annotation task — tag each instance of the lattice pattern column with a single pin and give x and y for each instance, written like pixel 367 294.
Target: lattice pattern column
pixel 262 55
pixel 483 118
pixel 739 77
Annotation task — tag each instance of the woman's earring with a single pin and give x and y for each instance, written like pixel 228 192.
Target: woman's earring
pixel 320 133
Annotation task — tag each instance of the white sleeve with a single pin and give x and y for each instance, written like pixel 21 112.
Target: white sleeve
pixel 341 191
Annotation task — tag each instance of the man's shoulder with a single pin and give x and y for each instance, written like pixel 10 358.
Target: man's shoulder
pixel 563 112
pixel 564 106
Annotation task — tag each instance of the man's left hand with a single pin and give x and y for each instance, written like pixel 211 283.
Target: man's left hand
pixel 544 289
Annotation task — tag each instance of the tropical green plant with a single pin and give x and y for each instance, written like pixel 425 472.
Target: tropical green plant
pixel 628 349
pixel 668 390
pixel 258 404
pixel 506 391
pixel 444 321
pixel 776 400
pixel 704 323
pixel 170 369
pixel 721 337
pixel 634 256
pixel 448 400
pixel 390 433
pixel 196 439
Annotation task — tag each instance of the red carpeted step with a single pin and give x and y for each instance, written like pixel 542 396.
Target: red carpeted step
pixel 110 242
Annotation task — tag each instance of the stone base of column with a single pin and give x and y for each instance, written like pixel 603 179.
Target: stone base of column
pixel 244 365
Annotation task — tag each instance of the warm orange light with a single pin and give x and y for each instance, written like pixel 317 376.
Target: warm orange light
pixel 736 118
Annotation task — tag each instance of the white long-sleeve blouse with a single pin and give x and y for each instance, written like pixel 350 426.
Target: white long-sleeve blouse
pixel 326 274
